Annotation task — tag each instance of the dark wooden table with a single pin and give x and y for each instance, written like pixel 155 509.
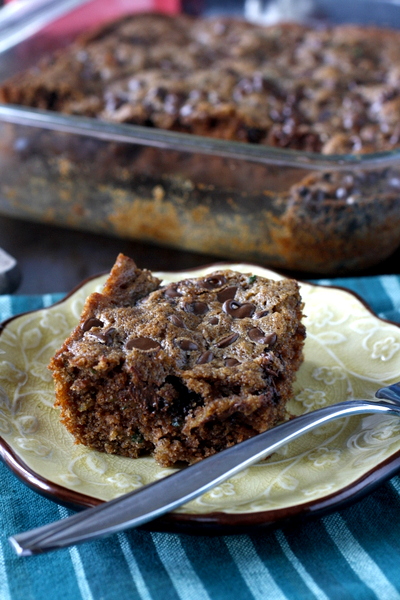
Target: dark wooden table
pixel 53 259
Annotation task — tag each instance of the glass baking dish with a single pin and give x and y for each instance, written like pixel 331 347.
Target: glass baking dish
pixel 282 208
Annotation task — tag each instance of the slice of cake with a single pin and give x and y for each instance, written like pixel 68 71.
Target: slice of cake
pixel 181 371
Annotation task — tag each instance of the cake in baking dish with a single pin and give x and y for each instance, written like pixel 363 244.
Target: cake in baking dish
pixel 328 89
pixel 181 370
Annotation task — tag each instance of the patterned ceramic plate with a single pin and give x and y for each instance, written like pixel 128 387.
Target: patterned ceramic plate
pixel 349 353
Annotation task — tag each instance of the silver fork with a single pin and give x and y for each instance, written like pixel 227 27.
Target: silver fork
pixel 160 497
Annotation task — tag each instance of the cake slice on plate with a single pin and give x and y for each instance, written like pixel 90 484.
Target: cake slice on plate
pixel 182 370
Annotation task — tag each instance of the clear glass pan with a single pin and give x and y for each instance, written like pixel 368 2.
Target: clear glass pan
pixel 229 199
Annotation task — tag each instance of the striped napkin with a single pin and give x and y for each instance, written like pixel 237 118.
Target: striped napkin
pixel 351 553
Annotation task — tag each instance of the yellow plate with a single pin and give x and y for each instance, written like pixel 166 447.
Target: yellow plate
pixel 349 353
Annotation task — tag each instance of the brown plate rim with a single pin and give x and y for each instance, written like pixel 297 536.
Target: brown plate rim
pixel 213 523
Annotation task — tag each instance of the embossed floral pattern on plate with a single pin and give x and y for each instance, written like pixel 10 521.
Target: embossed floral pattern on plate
pixel 349 353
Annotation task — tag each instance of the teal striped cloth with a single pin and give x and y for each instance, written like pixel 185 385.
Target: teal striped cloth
pixel 351 553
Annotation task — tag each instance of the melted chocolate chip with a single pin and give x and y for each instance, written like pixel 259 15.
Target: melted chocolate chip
pixel 231 362
pixel 227 340
pixel 185 344
pixel 213 281
pixel 270 372
pixel 227 294
pixel 214 321
pixel 197 308
pixel 261 314
pixel 175 320
pixel 206 357
pixel 301 330
pixel 172 292
pixel 271 339
pixel 105 337
pixel 258 336
pixel 92 322
pixel 142 343
pixel 237 310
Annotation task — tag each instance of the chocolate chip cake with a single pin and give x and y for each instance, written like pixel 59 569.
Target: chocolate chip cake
pixel 182 370
pixel 329 90
pixel 323 89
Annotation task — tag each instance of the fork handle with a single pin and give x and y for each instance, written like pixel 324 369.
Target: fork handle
pixel 165 495
pixel 391 392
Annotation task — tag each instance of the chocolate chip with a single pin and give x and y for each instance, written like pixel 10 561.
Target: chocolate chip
pixel 214 321
pixel 175 320
pixel 227 340
pixel 227 294
pixel 237 310
pixel 261 314
pixel 301 330
pixel 255 135
pixel 92 322
pixel 142 343
pixel 213 281
pixel 206 357
pixel 185 344
pixel 270 372
pixel 231 362
pixel 172 292
pixel 271 339
pixel 104 337
pixel 258 336
pixel 197 308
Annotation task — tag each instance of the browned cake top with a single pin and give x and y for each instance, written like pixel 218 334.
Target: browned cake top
pixel 332 90
pixel 199 325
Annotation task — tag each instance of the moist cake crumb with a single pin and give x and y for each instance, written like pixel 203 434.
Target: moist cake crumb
pixel 183 370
